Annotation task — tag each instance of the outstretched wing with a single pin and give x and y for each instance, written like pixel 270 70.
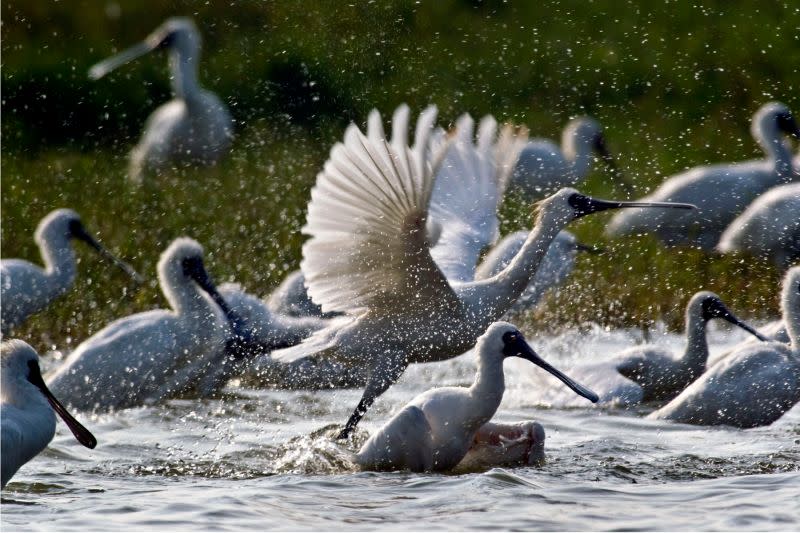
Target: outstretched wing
pixel 509 145
pixel 465 200
pixel 367 221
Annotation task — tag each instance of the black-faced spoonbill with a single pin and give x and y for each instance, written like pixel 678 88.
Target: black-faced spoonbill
pixel 369 257
pixel 543 167
pixel 556 266
pixel 195 127
pixel 28 409
pixel 151 356
pixel 754 385
pixel 267 329
pixel 721 192
pixel 26 288
pixel 769 227
pixel 291 298
pixel 435 430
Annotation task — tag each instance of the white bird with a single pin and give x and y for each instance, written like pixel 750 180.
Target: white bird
pixel 556 266
pixel 754 385
pixel 26 289
pixel 291 298
pixel 28 409
pixel 195 127
pixel 543 167
pixel 653 374
pixel 720 191
pixel 369 256
pixel 150 356
pixel 435 430
pixel 463 208
pixel 769 227
pixel 267 329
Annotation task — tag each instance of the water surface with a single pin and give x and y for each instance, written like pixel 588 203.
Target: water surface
pixel 255 459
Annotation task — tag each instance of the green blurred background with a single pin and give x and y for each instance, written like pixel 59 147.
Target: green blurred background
pixel 674 84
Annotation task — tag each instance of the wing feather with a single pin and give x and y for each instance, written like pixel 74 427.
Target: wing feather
pixel 465 200
pixel 367 222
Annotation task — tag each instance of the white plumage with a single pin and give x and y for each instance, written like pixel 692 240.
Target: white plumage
pixel 158 354
pixel 369 257
pixel 436 430
pixel 195 127
pixel 721 191
pixel 556 266
pixel 26 288
pixel 754 385
pixel 28 409
pixel 543 167
pixel 769 227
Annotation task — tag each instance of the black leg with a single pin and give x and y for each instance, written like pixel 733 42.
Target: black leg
pixel 381 378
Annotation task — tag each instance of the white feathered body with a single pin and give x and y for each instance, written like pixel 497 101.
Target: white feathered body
pixel 752 387
pixel 27 423
pixel 769 227
pixel 196 130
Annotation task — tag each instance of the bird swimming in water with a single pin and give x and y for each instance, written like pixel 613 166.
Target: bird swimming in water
pixel 542 167
pixel 28 409
pixel 769 227
pixel 720 191
pixel 26 288
pixel 436 430
pixel 754 385
pixel 151 356
pixel 195 127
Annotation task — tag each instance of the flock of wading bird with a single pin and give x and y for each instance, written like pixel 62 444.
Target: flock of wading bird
pixel 396 271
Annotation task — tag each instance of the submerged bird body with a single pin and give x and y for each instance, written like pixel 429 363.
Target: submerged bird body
pixel 25 288
pixel 195 127
pixel 436 430
pixel 754 385
pixel 369 256
pixel 769 227
pixel 28 409
pixel 721 191
pixel 157 354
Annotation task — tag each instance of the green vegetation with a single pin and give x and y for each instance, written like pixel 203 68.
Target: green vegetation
pixel 674 85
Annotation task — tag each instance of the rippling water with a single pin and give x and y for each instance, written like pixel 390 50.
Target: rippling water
pixel 260 460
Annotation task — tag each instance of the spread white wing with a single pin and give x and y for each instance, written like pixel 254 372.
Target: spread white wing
pixel 465 199
pixel 509 145
pixel 367 221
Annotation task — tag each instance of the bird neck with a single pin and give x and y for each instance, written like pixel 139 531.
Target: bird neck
pixel 490 298
pixel 578 152
pixel 696 354
pixel 488 388
pixel 185 296
pixel 771 141
pixel 183 66
pixel 791 317
pixel 59 261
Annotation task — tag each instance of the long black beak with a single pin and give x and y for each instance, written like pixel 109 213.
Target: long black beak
pixel 83 435
pixel 79 232
pixel 242 337
pixel 521 348
pixel 611 163
pixel 589 249
pixel 719 310
pixel 586 205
